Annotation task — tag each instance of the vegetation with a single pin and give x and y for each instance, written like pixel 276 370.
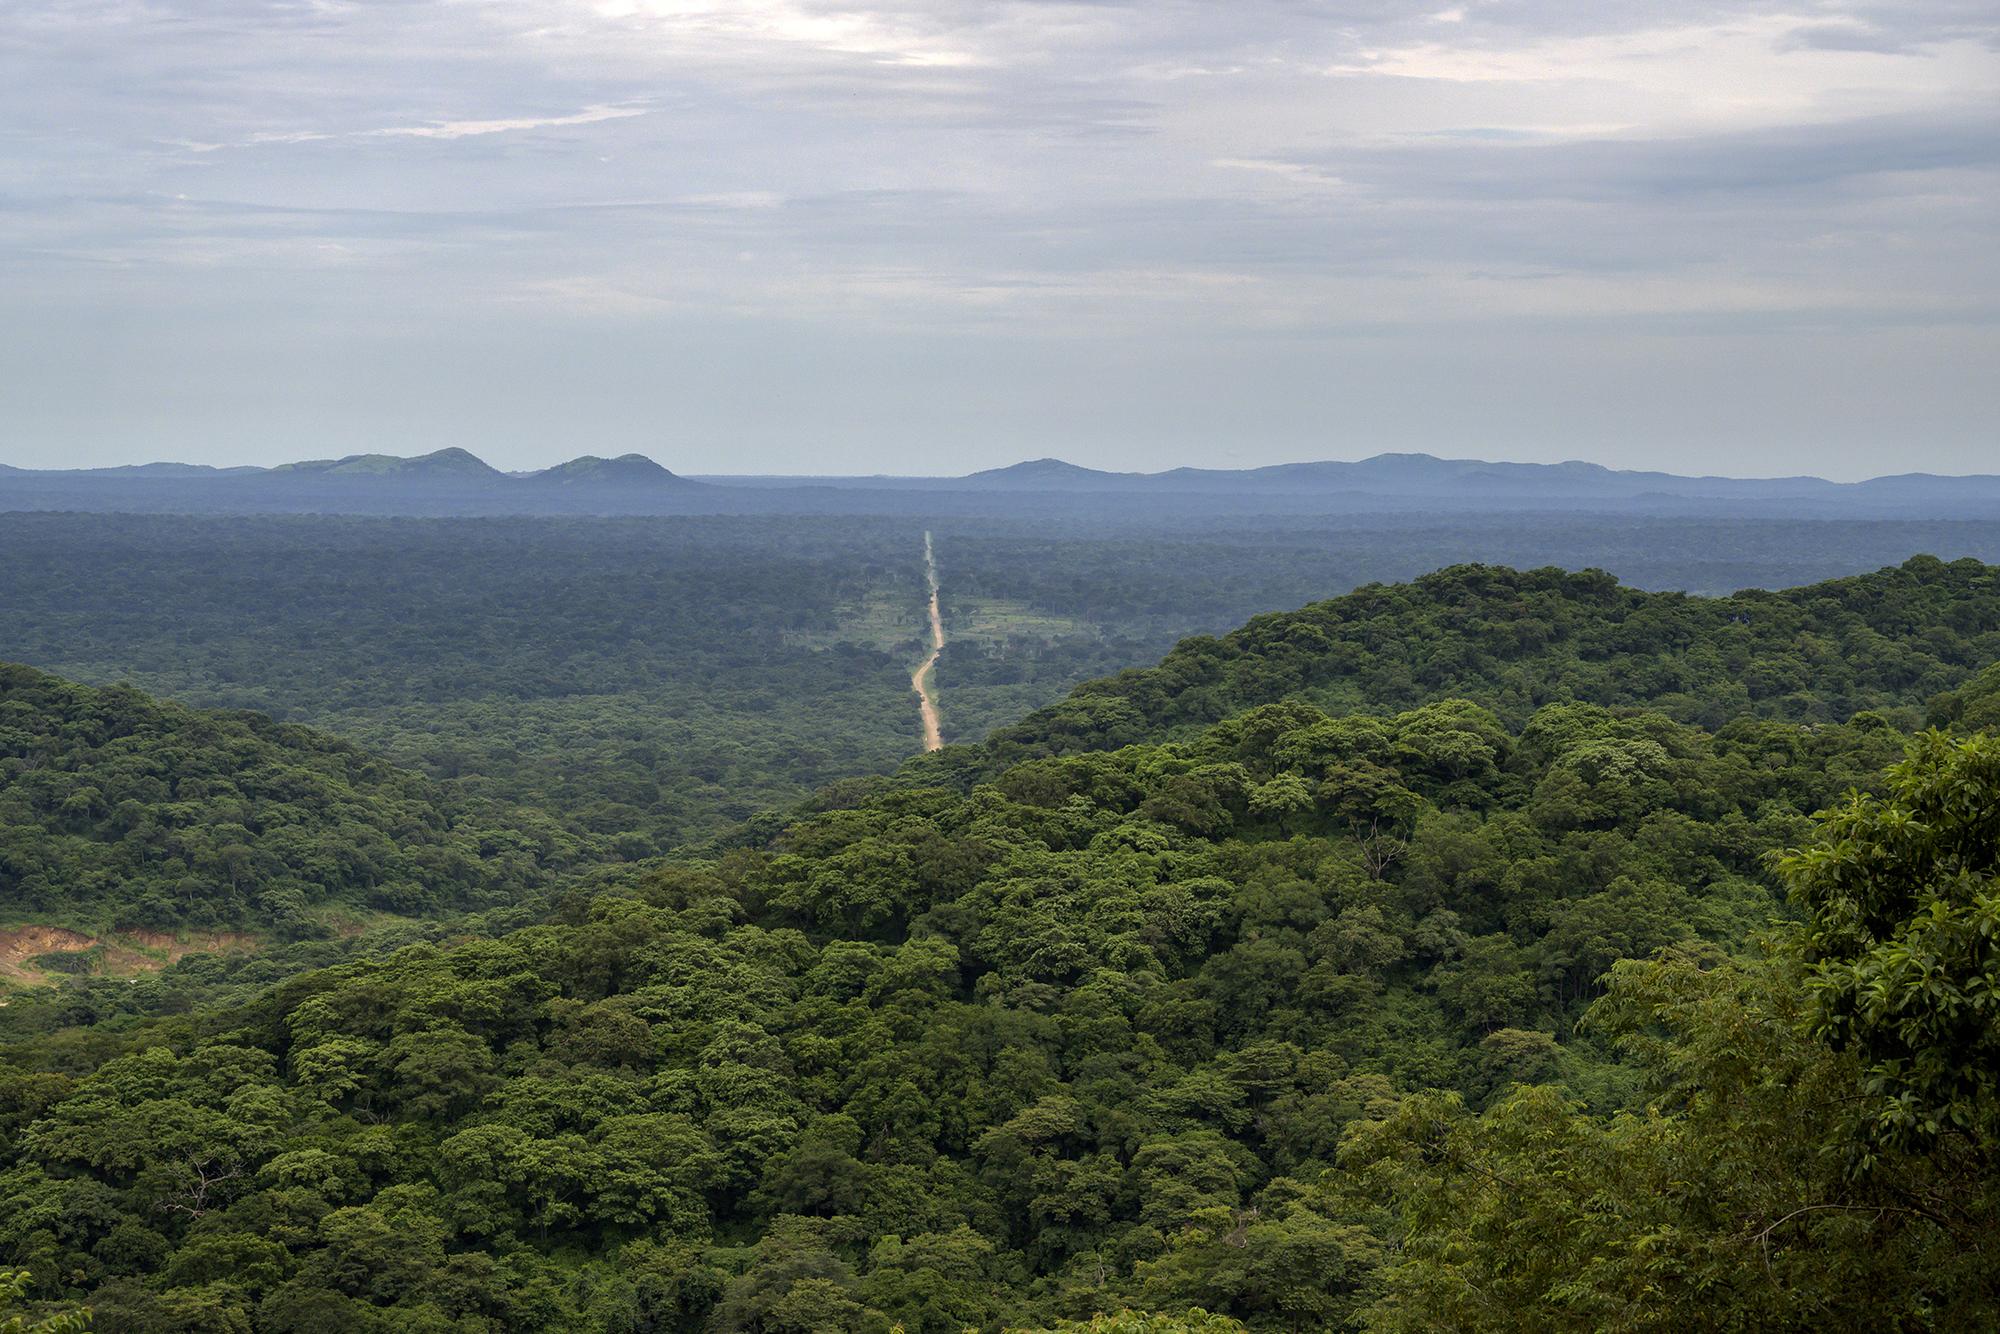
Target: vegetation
pixel 635 679
pixel 655 682
pixel 1514 641
pixel 1088 1036
pixel 117 810
pixel 13 1284
pixel 1467 955
pixel 1818 1149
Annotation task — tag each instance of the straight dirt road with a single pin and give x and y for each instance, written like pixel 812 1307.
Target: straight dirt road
pixel 921 679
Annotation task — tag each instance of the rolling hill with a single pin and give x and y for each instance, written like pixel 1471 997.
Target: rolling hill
pixel 1517 640
pixel 625 471
pixel 1289 1013
pixel 445 465
pixel 122 812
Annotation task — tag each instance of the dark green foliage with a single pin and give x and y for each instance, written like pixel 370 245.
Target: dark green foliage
pixel 120 810
pixel 13 1284
pixel 1514 641
pixel 1818 1151
pixel 643 681
pixel 658 681
pixel 1903 946
pixel 1085 1036
pixel 1278 1012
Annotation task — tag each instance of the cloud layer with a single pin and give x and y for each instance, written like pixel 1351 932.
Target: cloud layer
pixel 940 234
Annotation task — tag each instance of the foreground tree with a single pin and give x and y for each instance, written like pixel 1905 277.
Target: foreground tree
pixel 1903 946
pixel 13 1286
pixel 1820 1149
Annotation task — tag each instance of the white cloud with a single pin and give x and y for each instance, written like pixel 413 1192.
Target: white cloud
pixel 1735 72
pixel 444 129
pixel 1301 174
pixel 463 129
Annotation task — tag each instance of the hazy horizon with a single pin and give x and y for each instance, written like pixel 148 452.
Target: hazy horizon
pixel 685 470
pixel 822 236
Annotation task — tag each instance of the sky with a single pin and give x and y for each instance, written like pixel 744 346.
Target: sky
pixel 927 236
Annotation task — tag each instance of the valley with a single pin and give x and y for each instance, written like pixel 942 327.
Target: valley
pixel 1135 1002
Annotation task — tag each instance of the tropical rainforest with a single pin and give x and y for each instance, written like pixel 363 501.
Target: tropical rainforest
pixel 651 683
pixel 119 809
pixel 1501 950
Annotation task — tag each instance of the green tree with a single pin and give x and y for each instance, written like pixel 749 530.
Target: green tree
pixel 14 1286
pixel 1750 1192
pixel 1902 944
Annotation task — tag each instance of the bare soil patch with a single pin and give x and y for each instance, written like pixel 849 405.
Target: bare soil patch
pixel 121 954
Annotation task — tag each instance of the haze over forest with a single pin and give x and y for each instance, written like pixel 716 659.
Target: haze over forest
pixel 454 481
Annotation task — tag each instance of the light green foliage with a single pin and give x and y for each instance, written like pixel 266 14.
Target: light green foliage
pixel 1903 945
pixel 13 1286
pixel 1142 1322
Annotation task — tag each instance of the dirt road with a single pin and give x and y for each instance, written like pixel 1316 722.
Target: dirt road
pixel 921 679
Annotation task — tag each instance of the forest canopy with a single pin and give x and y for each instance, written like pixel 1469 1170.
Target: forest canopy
pixel 655 682
pixel 118 810
pixel 1333 1010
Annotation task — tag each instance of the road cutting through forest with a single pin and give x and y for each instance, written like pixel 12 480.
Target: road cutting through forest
pixel 921 680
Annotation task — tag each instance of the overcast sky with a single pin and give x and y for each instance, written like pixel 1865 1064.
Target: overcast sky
pixel 934 235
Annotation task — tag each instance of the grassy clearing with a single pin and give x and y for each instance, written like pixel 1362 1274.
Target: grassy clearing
pixel 996 623
pixel 889 618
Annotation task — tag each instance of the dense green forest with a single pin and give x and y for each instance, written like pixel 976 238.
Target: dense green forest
pixel 1280 983
pixel 657 681
pixel 639 680
pixel 118 810
pixel 1515 640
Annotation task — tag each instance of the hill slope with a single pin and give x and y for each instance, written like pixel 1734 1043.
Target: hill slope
pixel 118 810
pixel 1050 475
pixel 445 465
pixel 1425 475
pixel 454 482
pixel 1087 1034
pixel 1516 640
pixel 627 470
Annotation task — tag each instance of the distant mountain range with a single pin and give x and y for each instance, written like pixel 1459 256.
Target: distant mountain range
pixel 1427 475
pixel 454 481
pixel 448 466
